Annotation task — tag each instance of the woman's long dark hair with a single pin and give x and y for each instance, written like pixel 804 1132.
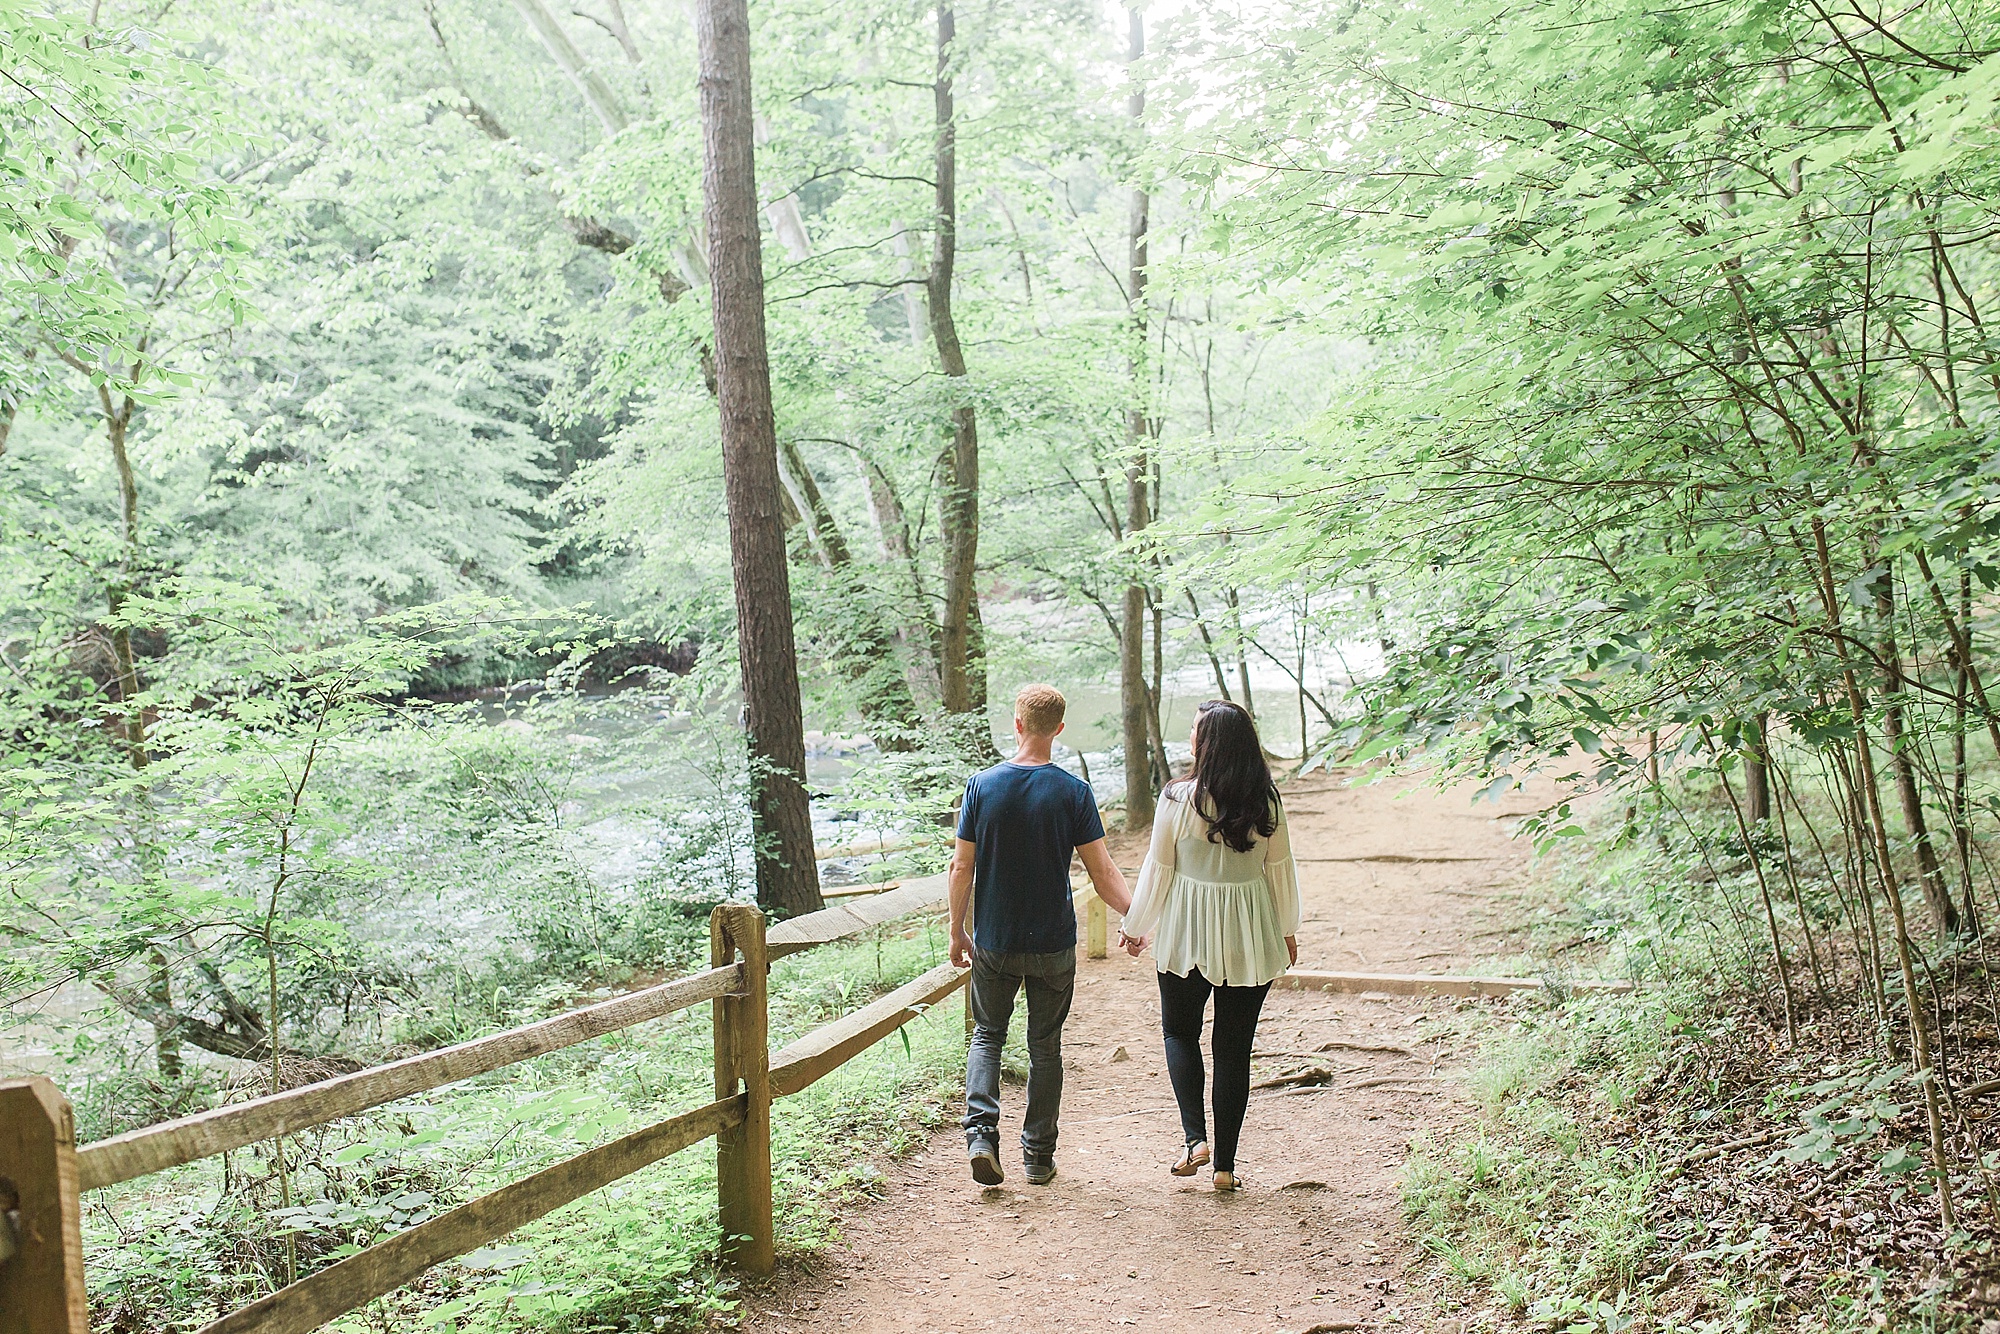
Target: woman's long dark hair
pixel 1232 788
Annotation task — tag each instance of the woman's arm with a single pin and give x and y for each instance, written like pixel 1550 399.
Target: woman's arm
pixel 1281 873
pixel 1155 875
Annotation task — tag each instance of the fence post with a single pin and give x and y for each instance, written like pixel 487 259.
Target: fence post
pixel 41 1234
pixel 1096 925
pixel 743 1058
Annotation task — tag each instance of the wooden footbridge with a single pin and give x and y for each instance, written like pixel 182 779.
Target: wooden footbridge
pixel 43 1172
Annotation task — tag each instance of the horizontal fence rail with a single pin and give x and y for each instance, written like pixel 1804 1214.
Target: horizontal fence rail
pixel 389 1264
pixel 824 1050
pixel 847 919
pixel 42 1172
pixel 1420 984
pixel 138 1153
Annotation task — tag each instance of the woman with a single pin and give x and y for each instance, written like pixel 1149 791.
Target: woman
pixel 1218 900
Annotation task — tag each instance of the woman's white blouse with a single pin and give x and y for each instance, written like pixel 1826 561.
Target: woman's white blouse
pixel 1211 907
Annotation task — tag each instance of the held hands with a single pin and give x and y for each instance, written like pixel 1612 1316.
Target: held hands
pixel 1132 944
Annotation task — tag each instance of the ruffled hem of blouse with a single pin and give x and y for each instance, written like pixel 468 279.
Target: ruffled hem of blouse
pixel 1229 931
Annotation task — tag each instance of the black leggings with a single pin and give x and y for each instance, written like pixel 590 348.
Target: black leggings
pixel 1182 1000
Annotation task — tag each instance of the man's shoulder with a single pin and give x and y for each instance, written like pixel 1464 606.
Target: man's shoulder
pixel 990 775
pixel 1028 778
pixel 1063 786
pixel 1070 781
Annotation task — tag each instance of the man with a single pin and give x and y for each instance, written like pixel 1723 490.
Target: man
pixel 1019 823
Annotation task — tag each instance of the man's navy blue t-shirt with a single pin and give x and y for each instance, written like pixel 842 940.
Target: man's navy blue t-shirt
pixel 1024 821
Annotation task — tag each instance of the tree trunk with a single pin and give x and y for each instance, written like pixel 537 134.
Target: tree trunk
pixel 962 668
pixel 781 819
pixel 1242 650
pixel 1135 705
pixel 892 529
pixel 614 23
pixel 166 1041
pixel 867 648
pixel 1757 773
pixel 159 977
pixel 1305 746
pixel 1208 647
pixel 1937 895
pixel 1961 796
pixel 1155 692
pixel 828 542
pixel 117 420
pixel 603 102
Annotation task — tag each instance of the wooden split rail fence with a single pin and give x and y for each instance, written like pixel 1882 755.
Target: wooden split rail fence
pixel 43 1173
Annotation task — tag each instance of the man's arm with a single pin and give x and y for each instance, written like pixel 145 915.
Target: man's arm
pixel 961 901
pixel 1105 876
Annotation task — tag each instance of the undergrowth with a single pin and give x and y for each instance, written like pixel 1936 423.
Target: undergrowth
pixel 168 1253
pixel 1669 1159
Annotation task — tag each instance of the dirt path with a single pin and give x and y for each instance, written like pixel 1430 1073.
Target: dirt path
pixel 1116 1242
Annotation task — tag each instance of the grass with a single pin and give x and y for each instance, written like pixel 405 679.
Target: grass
pixel 171 1252
pixel 1540 1205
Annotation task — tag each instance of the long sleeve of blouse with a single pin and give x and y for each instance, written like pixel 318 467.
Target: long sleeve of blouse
pixel 1281 873
pixel 1172 824
pixel 1157 872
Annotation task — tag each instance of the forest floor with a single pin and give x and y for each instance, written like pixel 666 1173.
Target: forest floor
pixel 1391 883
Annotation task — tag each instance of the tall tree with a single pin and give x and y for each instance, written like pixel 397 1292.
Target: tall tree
pixel 963 665
pixel 1135 702
pixel 603 102
pixel 787 877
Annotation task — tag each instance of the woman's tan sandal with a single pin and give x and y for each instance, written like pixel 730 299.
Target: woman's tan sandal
pixel 1193 1158
pixel 1226 1181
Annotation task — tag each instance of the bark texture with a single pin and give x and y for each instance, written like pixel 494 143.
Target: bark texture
pixel 1757 773
pixel 962 666
pixel 1137 723
pixel 787 876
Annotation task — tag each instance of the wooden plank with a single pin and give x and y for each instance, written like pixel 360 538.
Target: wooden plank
pixel 41 1241
pixel 1424 984
pixel 1096 918
pixel 389 1264
pixel 851 919
pixel 743 1055
pixel 856 891
pixel 876 845
pixel 138 1152
pixel 827 1048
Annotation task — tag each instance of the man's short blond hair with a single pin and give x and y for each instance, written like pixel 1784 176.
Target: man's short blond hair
pixel 1040 709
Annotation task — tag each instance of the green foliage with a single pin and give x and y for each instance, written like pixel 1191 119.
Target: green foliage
pixel 108 144
pixel 1654 319
pixel 1542 1207
pixel 640 1252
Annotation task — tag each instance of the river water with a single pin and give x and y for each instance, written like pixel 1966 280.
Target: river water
pixel 642 760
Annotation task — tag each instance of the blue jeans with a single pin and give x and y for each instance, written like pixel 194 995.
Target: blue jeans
pixel 1050 981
